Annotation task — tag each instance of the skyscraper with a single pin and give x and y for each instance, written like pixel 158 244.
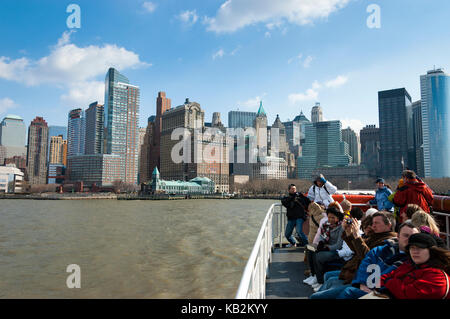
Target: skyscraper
pixel 145 174
pixel 56 150
pixel 295 133
pixel 122 123
pixel 352 139
pixel 323 148
pixel 163 104
pixel 76 132
pixel 260 125
pixel 94 129
pixel 12 137
pixel 396 136
pixel 418 137
pixel 435 92
pixel 370 149
pixel 37 151
pixel 316 113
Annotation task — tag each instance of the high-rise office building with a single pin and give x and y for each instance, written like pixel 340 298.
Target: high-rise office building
pixel 121 111
pixel 396 135
pixel 56 150
pixel 370 149
pixel 260 125
pixel 240 119
pixel 418 137
pixel 323 148
pixel 295 133
pixel 94 129
pixel 435 93
pixel 316 113
pixel 76 130
pixel 12 138
pixel 37 151
pixel 352 139
pixel 145 174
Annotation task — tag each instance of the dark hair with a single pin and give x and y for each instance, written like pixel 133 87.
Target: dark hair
pixel 335 211
pixel 357 213
pixel 366 222
pixel 290 186
pixel 409 174
pixel 411 209
pixel 388 218
pixel 439 258
pixel 406 224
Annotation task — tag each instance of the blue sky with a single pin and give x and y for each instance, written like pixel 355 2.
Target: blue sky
pixel 223 54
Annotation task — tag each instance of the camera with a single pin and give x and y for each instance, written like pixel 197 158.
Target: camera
pixel 349 221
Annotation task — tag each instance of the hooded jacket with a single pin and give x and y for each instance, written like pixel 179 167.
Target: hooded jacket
pixel 416 192
pixel 382 199
pixel 360 247
pixel 411 281
pixel 388 257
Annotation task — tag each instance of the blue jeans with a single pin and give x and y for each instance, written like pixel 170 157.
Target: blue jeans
pixel 332 293
pixel 329 274
pixel 351 293
pixel 298 224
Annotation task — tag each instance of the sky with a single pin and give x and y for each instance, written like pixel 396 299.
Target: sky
pixel 224 54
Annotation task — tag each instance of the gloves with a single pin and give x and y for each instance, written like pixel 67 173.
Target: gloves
pixel 322 179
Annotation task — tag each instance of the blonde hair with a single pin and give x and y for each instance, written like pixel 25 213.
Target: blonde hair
pixel 421 218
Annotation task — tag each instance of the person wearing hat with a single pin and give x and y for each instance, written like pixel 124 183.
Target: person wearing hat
pixel 424 275
pixel 321 191
pixel 382 196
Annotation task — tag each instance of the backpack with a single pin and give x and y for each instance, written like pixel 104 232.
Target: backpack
pixel 323 187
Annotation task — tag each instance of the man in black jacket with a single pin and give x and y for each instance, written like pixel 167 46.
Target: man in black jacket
pixel 296 204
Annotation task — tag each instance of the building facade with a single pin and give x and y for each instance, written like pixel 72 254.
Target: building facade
pixel 12 137
pixel 323 148
pixel 435 93
pixel 99 169
pixel 316 113
pixel 37 151
pixel 76 129
pixel 240 119
pixel 121 116
pixel 11 179
pixel 370 149
pixel 94 129
pixel 352 139
pixel 418 137
pixel 396 135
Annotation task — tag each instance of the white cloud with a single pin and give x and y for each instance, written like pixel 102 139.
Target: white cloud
pixel 71 67
pixel 298 57
pixel 307 61
pixel 312 94
pixel 267 34
pixel 236 14
pixel 354 124
pixel 252 103
pixel 149 6
pixel 218 54
pixel 188 17
pixel 309 95
pixel 337 82
pixel 6 104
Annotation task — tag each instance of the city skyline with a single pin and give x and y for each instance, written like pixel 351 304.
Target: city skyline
pixel 222 63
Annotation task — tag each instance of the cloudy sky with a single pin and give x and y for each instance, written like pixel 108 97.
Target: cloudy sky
pixel 224 54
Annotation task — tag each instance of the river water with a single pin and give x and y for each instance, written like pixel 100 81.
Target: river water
pixel 127 249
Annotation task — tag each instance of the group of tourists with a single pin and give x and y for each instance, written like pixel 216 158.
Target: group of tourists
pixel 391 251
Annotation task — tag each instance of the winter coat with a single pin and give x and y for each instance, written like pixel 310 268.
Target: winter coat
pixel 317 237
pixel 382 199
pixel 388 257
pixel 322 194
pixel 335 241
pixel 411 281
pixel 316 213
pixel 296 205
pixel 416 192
pixel 360 247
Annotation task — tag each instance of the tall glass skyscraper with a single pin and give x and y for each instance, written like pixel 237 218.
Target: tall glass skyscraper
pixel 435 92
pixel 76 132
pixel 122 123
pixel 323 148
pixel 13 131
pixel 239 119
pixel 396 132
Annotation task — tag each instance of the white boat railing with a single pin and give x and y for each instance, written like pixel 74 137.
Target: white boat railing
pixel 253 281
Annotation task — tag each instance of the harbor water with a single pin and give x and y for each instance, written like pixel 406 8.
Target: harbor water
pixel 126 249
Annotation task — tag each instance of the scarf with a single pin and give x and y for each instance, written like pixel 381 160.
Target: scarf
pixel 326 230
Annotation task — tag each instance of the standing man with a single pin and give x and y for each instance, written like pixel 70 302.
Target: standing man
pixel 414 191
pixel 296 205
pixel 382 197
pixel 321 191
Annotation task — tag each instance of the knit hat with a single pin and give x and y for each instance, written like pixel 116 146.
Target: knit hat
pixel 371 211
pixel 421 240
pixel 380 180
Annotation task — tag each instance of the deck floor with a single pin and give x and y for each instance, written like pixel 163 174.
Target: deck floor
pixel 286 275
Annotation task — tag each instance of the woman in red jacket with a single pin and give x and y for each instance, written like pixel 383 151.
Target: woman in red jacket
pixel 425 275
